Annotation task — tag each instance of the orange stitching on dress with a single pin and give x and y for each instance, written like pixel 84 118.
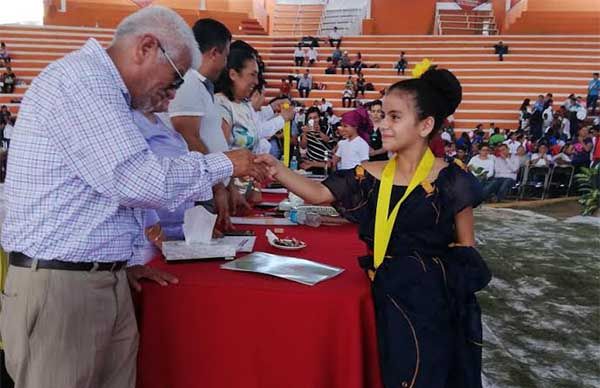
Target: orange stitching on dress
pixel 414 333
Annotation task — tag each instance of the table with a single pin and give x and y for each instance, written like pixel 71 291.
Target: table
pixel 226 329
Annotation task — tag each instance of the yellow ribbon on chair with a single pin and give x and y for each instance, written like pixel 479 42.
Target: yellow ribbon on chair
pixel 287 133
pixel 384 224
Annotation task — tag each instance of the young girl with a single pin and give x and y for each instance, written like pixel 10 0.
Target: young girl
pixel 421 259
pixel 353 150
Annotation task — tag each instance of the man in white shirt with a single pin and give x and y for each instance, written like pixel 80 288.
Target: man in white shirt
pixel 8 129
pixel 506 168
pixel 482 165
pixel 325 105
pixel 512 143
pixel 193 111
pixel 335 38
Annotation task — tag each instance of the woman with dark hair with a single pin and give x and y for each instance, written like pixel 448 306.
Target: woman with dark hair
pixel 421 257
pixel 524 114
pixel 234 86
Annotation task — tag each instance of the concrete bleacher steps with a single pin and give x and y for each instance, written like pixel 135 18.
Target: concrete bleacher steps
pixel 492 90
pixel 296 20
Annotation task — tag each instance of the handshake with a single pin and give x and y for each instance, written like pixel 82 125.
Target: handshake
pixel 260 167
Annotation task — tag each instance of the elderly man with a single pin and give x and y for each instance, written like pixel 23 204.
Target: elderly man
pixel 80 179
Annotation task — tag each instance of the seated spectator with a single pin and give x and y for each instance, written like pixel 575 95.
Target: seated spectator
pixel 335 38
pixel 541 158
pixel 285 88
pixel 347 97
pixel 402 63
pixel 299 55
pixel 332 119
pixel 501 49
pixel 462 155
pixel 464 142
pixel 360 85
pixel 317 141
pixel 4 114
pixel 582 147
pixel 577 113
pixel 8 81
pixel 4 56
pixel 305 85
pixel 345 63
pixel 358 65
pixel 312 55
pixel 449 150
pixel 523 156
pixel 506 168
pixel 325 105
pixel 331 67
pixel 353 150
pixel 497 138
pixel 336 56
pixel 592 93
pixel 512 143
pixel 565 157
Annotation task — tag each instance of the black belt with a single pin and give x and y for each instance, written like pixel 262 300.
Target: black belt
pixel 19 259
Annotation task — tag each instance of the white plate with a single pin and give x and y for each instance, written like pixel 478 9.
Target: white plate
pixel 286 248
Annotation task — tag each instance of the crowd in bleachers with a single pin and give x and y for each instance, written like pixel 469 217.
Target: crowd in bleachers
pixel 538 158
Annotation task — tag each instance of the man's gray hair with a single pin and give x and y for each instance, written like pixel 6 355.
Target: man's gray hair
pixel 174 34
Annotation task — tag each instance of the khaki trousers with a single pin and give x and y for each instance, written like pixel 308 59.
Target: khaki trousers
pixel 68 329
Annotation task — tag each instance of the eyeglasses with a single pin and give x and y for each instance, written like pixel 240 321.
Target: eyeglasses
pixel 179 79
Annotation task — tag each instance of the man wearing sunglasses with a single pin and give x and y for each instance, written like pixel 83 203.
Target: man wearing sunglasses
pixel 80 179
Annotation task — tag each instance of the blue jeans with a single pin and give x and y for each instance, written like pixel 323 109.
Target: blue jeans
pixel 498 186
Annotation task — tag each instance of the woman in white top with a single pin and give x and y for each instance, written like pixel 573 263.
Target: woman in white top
pixel 565 156
pixel 541 158
pixel 234 86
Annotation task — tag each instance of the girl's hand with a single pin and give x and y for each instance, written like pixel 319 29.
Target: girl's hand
pixel 273 165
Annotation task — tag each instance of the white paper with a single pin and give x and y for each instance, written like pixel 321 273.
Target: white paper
pixel 180 250
pixel 241 243
pixel 291 268
pixel 281 190
pixel 198 225
pixel 261 221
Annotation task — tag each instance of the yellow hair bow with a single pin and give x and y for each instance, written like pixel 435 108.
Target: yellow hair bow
pixel 421 68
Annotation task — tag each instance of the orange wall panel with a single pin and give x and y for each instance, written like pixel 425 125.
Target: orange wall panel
pixel 403 16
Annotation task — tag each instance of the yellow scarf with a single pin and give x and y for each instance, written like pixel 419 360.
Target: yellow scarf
pixel 384 224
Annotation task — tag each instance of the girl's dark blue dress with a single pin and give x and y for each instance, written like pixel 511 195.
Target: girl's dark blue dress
pixel 428 318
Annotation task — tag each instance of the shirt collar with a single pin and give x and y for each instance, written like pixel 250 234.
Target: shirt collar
pixel 93 48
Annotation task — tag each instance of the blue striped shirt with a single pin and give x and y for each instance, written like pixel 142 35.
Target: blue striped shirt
pixel 80 173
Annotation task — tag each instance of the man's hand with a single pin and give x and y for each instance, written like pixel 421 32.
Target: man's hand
pixel 273 165
pixel 221 198
pixel 155 234
pixel 138 272
pixel 244 165
pixel 239 205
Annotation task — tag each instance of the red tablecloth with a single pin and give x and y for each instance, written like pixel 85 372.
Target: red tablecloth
pixel 226 329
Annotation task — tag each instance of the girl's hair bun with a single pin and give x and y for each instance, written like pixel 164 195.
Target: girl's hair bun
pixel 446 85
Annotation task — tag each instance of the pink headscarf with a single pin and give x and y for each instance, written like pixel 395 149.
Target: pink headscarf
pixel 359 119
